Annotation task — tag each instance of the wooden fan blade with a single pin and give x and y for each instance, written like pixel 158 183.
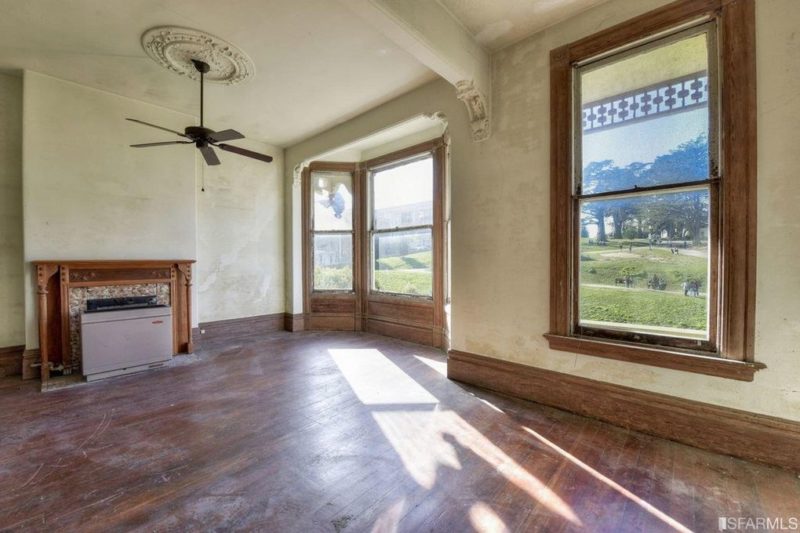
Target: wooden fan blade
pixel 225 135
pixel 145 145
pixel 209 155
pixel 157 127
pixel 246 153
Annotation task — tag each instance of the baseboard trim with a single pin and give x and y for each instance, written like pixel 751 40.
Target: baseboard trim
pixel 11 360
pixel 293 322
pixel 237 327
pixel 751 436
pixel 403 330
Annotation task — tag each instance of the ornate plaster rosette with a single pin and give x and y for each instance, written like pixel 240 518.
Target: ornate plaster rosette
pixel 174 47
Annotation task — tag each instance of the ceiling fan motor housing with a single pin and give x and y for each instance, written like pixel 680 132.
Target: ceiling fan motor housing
pixel 201 66
pixel 197 132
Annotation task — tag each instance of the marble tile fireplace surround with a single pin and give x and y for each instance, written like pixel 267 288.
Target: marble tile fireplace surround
pixel 64 286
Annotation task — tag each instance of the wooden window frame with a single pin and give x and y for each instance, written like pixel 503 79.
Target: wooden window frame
pixel 312 231
pixel 328 309
pixel 735 227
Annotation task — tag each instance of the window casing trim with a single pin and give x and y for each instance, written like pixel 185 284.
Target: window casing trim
pixel 736 223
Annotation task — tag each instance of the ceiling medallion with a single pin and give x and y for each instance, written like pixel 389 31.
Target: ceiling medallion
pixel 174 47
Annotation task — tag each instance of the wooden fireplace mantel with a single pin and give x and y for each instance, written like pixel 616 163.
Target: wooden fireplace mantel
pixel 55 278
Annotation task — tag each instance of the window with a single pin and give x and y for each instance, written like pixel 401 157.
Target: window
pixel 643 177
pixel 653 191
pixel 402 228
pixel 374 244
pixel 332 230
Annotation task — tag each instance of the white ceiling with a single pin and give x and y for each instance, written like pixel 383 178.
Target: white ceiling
pixel 496 24
pixel 316 63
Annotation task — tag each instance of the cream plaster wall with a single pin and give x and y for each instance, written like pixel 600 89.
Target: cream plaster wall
pixel 388 144
pixel 403 142
pixel 87 194
pixel 500 214
pixel 12 324
pixel 240 236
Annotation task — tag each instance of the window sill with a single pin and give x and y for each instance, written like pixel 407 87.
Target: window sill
pixel 407 299
pixel 654 356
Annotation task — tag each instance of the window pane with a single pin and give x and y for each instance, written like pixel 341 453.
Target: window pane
pixel 333 200
pixel 644 264
pixel 333 262
pixel 403 195
pixel 403 262
pixel 645 118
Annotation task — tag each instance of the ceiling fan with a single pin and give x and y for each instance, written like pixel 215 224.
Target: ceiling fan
pixel 202 137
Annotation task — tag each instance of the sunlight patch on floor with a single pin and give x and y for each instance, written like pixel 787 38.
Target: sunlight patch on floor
pixel 490 405
pixel 389 520
pixel 378 381
pixel 483 518
pixel 431 442
pixel 610 482
pixel 439 366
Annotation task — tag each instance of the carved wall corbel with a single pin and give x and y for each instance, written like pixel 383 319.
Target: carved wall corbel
pixel 477 109
pixel 297 174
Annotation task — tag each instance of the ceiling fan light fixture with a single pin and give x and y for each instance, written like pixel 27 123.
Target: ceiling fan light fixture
pixel 202 137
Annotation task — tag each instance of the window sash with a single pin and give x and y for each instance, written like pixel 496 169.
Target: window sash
pixel 315 174
pixel 372 270
pixel 713 184
pixel 698 27
pixel 373 232
pixel 314 288
pixel 428 154
pixel 400 228
pixel 707 346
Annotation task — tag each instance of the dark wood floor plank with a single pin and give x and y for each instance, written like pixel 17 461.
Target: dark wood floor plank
pixel 268 432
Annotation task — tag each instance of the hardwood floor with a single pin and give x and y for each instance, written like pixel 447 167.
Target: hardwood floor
pixel 346 432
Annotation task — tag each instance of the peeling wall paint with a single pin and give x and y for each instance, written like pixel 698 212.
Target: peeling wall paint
pixel 240 236
pixel 12 324
pixel 500 214
pixel 88 195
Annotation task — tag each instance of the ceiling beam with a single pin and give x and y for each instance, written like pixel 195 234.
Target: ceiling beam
pixel 430 33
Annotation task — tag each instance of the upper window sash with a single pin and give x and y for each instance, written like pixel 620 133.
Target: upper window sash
pixel 422 219
pixel 692 90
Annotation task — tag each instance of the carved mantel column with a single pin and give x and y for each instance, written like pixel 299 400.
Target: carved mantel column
pixel 186 270
pixel 43 274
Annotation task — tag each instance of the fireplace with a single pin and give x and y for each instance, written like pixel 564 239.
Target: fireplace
pixel 64 287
